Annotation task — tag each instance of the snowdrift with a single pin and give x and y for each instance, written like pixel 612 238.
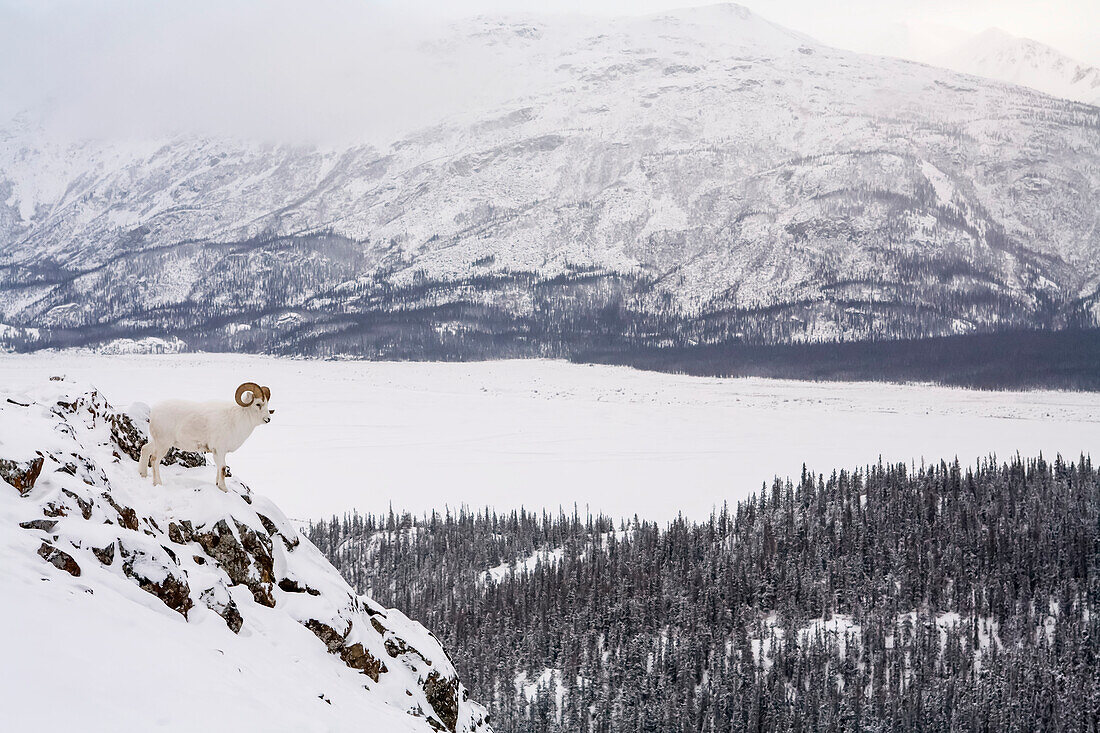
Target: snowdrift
pixel 128 606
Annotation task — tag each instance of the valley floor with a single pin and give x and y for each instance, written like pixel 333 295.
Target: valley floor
pixel 544 434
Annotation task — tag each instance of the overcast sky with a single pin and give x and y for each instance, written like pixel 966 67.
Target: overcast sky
pixel 277 68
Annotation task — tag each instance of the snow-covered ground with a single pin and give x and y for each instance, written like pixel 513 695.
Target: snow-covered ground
pixel 423 436
pixel 124 608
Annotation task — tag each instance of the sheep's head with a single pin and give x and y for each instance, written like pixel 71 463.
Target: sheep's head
pixel 254 398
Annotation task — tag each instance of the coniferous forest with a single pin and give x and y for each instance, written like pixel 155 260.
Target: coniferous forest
pixel 892 597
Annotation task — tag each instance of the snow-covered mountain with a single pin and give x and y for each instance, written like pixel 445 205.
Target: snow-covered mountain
pixel 999 55
pixel 691 176
pixel 180 607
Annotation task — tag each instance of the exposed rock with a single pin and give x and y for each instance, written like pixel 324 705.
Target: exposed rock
pixel 130 440
pixel 397 648
pixel 232 556
pixel 272 529
pixel 46 525
pixel 333 639
pixel 293 586
pixel 269 526
pixel 356 657
pixel 127 438
pixel 182 532
pixel 81 467
pixel 84 504
pixel 219 601
pixel 59 559
pixel 259 547
pixel 127 517
pixel 232 616
pixel 187 459
pixel 443 697
pixel 172 590
pixel 53 509
pixel 21 474
pixel 105 555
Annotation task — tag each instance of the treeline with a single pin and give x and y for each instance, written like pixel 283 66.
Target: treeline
pixel 1024 359
pixel 936 598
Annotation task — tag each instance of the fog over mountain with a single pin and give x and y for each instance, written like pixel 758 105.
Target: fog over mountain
pixel 996 54
pixel 691 176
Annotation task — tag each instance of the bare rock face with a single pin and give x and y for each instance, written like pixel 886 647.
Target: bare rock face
pixel 442 695
pixel 106 554
pixel 198 550
pixel 59 559
pixel 218 600
pixel 332 639
pixel 247 561
pixel 21 474
pixel 46 525
pixel 354 655
pixel 158 574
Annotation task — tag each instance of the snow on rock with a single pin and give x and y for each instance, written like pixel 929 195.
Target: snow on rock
pixel 132 598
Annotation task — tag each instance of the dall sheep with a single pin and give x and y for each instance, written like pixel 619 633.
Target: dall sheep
pixel 208 427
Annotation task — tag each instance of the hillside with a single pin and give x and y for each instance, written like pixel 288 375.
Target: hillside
pixel 129 607
pixel 692 177
pixel 935 597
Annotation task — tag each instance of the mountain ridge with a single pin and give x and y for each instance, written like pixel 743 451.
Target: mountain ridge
pixel 995 54
pixel 691 180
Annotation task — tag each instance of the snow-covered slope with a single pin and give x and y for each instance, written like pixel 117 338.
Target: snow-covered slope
pixel 129 607
pixel 702 174
pixel 999 55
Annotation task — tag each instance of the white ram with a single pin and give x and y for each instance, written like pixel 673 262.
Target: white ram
pixel 207 427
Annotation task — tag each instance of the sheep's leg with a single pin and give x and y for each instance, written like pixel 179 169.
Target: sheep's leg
pixel 146 455
pixel 157 455
pixel 219 459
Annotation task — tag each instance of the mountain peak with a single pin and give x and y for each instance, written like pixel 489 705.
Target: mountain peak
pixel 997 54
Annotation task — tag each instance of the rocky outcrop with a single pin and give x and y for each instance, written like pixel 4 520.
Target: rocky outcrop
pixel 244 558
pixel 193 549
pixel 59 559
pixel 169 587
pixel 442 693
pixel 130 439
pixel 21 474
pixel 354 655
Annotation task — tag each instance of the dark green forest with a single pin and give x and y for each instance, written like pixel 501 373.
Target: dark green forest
pixel 890 597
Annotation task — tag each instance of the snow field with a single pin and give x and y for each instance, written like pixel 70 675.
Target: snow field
pixel 543 434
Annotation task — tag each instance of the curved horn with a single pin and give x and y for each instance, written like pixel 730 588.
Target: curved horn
pixel 252 388
pixel 267 393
